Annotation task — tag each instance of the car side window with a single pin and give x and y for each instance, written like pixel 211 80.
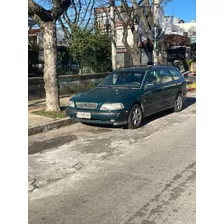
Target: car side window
pixel 175 73
pixel 165 75
pixel 153 76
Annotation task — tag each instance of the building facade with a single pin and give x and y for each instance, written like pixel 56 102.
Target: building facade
pixel 36 52
pixel 172 27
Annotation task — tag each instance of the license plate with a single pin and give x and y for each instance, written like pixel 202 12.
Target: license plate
pixel 86 115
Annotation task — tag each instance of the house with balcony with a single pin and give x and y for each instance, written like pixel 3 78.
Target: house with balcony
pixel 181 49
pixel 177 36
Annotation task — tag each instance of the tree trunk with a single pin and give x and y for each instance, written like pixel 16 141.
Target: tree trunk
pixel 50 66
pixel 162 52
pixel 135 57
pixel 135 50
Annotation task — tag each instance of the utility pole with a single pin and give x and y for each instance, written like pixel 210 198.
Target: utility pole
pixel 113 35
pixel 154 46
pixel 155 9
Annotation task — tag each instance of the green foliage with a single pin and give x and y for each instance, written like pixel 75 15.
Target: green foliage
pixel 91 48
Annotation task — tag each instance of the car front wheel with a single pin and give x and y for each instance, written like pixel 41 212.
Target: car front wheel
pixel 178 104
pixel 135 117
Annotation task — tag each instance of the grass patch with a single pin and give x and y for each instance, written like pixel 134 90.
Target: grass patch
pixel 51 114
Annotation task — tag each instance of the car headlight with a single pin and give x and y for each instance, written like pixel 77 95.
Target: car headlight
pixel 71 103
pixel 112 106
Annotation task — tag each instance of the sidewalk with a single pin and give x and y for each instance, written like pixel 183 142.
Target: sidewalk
pixel 37 123
pixel 191 83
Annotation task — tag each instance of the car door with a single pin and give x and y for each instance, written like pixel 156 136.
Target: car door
pixel 167 86
pixel 152 93
pixel 179 80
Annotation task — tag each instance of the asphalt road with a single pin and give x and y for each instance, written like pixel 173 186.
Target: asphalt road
pixel 94 175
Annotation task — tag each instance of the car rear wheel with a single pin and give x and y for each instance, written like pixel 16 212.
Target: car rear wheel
pixel 178 104
pixel 135 117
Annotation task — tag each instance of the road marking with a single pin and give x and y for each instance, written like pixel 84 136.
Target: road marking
pixel 147 137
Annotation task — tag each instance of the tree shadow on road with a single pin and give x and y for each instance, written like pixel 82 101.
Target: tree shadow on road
pixel 188 102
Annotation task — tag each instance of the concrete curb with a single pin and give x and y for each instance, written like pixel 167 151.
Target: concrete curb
pixel 67 121
pixel 50 126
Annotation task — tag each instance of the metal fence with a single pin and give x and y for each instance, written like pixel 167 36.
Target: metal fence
pixel 38 70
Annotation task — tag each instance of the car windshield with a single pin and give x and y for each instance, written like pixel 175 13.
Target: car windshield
pixel 124 78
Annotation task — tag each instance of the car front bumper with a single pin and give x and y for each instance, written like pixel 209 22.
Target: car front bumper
pixel 115 118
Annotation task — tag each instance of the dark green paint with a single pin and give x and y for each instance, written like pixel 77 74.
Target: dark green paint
pixel 155 98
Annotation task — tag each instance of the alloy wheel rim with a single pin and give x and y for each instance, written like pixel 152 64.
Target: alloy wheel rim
pixel 179 102
pixel 136 116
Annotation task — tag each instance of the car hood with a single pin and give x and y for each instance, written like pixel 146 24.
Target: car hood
pixel 106 95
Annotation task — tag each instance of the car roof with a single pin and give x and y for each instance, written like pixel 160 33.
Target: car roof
pixel 142 68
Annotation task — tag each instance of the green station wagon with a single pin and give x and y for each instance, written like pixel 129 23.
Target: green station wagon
pixel 128 95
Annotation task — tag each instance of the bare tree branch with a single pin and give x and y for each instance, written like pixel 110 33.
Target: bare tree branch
pixel 75 8
pixel 38 13
pixel 140 2
pixel 125 28
pixel 80 14
pixel 125 40
pixel 85 12
pixel 67 18
pixel 119 17
pixel 59 7
pixel 143 15
pixel 91 13
pixel 79 10
pixel 64 28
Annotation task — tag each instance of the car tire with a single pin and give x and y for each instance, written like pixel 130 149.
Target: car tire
pixel 135 117
pixel 179 102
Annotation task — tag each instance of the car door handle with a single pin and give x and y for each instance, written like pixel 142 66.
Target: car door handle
pixel 162 88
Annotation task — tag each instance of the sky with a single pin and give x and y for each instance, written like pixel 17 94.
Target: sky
pixel 182 9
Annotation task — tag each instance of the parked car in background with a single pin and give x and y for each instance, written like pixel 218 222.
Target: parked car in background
pixel 128 95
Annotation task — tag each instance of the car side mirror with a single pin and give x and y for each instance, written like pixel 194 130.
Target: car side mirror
pixel 185 74
pixel 150 85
